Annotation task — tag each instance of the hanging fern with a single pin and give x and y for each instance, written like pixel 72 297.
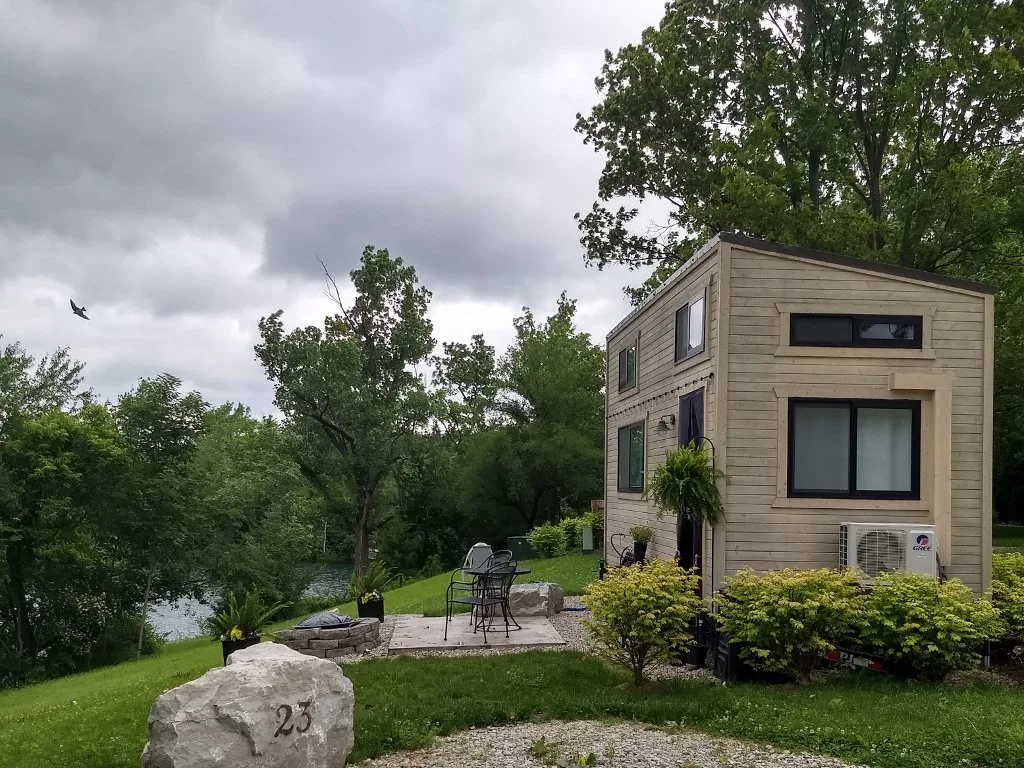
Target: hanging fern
pixel 686 484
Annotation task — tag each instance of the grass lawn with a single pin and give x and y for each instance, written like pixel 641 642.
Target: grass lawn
pixel 98 719
pixel 1008 538
pixel 573 572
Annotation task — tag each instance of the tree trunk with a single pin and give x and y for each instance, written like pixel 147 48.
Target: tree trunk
pixel 145 610
pixel 361 556
pixel 25 634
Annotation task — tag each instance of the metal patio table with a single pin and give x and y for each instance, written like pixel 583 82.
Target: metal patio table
pixel 482 571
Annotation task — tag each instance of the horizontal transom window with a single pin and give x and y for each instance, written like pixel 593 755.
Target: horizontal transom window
pixel 869 449
pixel 841 330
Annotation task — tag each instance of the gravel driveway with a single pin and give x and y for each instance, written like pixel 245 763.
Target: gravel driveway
pixel 616 745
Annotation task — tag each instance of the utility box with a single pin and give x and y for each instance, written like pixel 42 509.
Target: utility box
pixel 588 539
pixel 520 548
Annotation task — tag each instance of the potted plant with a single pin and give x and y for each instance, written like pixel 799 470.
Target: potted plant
pixel 642 536
pixel 367 589
pixel 686 484
pixel 238 625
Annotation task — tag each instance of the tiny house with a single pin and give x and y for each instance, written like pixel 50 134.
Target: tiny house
pixel 849 404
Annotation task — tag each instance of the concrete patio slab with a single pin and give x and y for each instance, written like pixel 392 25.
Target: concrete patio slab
pixel 426 633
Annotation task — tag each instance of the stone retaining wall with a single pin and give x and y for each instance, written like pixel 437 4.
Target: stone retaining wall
pixel 332 642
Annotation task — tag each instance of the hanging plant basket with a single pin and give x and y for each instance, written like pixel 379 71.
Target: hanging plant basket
pixel 687 484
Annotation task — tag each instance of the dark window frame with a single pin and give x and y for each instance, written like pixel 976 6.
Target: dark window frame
pixel 624 382
pixel 917 321
pixel 682 321
pixel 623 467
pixel 854 404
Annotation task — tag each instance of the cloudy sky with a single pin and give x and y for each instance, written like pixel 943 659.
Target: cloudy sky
pixel 177 167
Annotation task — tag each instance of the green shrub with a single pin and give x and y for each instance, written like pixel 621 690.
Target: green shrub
pixel 641 613
pixel 573 526
pixel 1008 592
pixel 786 619
pixel 924 628
pixel 547 540
pixel 572 530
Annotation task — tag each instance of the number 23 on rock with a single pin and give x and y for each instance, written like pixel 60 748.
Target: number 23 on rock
pixel 285 724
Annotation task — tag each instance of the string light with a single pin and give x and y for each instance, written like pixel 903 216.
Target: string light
pixel 683 385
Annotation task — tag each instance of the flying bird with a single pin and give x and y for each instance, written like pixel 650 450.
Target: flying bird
pixel 80 311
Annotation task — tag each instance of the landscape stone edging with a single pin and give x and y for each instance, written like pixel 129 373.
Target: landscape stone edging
pixel 332 642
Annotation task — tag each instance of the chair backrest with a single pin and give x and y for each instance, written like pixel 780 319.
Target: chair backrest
pixel 497 581
pixel 477 555
pixel 500 557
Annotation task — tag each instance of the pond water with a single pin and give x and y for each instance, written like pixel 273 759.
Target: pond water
pixel 180 620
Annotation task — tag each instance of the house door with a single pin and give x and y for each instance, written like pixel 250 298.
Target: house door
pixel 690 535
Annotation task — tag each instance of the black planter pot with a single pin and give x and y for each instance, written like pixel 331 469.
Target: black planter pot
pixel 230 646
pixel 697 655
pixel 640 550
pixel 374 609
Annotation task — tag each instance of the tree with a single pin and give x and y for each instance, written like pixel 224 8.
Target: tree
pixel 163 527
pixel 547 447
pixel 889 130
pixel 429 526
pixel 352 380
pixel 28 390
pixel 60 472
pixel 264 517
pixel 466 374
pixel 553 373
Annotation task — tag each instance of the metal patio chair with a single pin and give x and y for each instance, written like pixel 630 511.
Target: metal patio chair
pixel 492 591
pixel 479 555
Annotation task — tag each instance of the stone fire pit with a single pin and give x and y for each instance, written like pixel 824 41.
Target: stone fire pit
pixel 331 636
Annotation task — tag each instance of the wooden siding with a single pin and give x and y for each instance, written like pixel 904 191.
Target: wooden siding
pixel 764 529
pixel 660 382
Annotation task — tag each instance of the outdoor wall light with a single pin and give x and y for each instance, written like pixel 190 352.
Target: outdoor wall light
pixel 667 422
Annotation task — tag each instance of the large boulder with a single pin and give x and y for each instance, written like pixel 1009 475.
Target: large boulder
pixel 536 599
pixel 270 706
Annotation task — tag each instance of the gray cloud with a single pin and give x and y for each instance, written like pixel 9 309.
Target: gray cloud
pixel 166 160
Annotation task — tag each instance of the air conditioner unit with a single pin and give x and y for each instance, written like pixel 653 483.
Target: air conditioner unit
pixel 877 548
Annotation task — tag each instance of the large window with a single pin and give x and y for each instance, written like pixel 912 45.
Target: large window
pixel 627 367
pixel 690 328
pixel 869 449
pixel 815 330
pixel 631 457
